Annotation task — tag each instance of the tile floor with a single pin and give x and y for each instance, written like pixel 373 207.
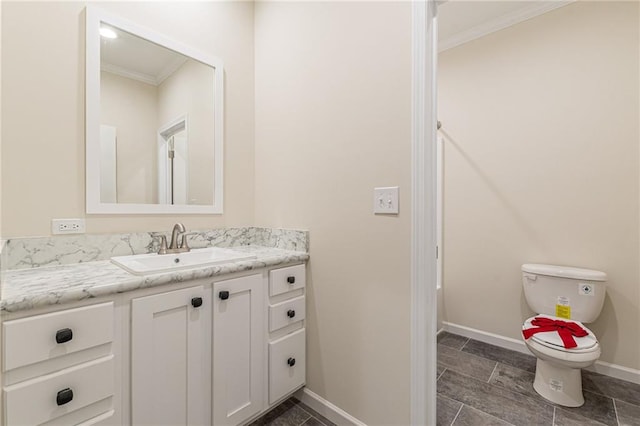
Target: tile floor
pixel 292 413
pixel 482 384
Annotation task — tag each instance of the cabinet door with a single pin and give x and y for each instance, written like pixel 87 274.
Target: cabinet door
pixel 170 358
pixel 238 349
pixel 287 360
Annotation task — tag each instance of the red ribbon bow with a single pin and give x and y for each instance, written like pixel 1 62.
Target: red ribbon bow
pixel 565 329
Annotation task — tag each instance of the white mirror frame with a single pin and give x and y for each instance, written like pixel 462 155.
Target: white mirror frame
pixel 94 17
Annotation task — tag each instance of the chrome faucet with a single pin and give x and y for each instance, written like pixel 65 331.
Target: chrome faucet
pixel 174 246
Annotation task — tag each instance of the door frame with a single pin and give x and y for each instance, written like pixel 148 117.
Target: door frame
pixel 423 221
pixel 165 183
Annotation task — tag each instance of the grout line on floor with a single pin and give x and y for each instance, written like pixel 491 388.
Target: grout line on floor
pixel 597 393
pixel 455 418
pixel 553 422
pixel 495 367
pixel 464 344
pixel 615 410
pixel 495 417
pixel 445 369
pixel 310 414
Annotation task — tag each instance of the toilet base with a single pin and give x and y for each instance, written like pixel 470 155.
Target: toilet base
pixel 560 385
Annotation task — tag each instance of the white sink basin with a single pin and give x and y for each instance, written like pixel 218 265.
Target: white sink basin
pixel 153 263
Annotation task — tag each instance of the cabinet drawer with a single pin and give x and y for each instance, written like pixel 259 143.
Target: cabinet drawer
pixel 101 420
pixel 286 279
pixel 33 339
pixel 285 375
pixel 35 401
pixel 286 313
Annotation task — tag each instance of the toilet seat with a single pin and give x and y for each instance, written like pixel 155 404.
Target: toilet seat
pixel 552 340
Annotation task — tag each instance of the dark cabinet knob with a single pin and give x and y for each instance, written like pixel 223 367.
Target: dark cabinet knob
pixel 196 302
pixel 64 396
pixel 291 362
pixel 291 280
pixel 291 313
pixel 223 295
pixel 64 335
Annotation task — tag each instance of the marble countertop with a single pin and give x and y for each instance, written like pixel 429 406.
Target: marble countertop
pixel 25 289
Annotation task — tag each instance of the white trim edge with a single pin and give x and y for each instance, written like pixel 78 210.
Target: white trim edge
pixel 500 23
pixel 486 337
pixel 93 203
pixel 423 213
pixel 327 409
pixel 602 367
pixel 617 371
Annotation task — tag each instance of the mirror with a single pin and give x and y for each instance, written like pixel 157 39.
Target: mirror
pixel 153 121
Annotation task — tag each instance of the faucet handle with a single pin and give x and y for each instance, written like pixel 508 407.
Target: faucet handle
pixel 183 244
pixel 163 245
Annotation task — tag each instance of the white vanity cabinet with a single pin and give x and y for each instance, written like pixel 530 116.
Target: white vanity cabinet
pixel 286 331
pixel 59 367
pixel 211 351
pixel 238 349
pixel 170 348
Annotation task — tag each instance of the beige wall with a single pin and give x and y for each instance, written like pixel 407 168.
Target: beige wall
pixel 333 120
pixel 542 166
pixel 1 234
pixel 189 90
pixel 131 106
pixel 334 102
pixel 43 114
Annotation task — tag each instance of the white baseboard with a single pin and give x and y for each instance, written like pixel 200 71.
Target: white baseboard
pixel 608 369
pixel 483 336
pixel 617 371
pixel 327 409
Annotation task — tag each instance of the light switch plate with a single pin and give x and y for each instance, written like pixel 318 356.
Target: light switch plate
pixel 385 200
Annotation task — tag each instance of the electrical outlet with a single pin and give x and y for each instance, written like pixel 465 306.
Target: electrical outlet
pixel 385 200
pixel 67 226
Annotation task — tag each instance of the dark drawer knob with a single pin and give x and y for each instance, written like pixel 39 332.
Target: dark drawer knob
pixel 64 335
pixel 223 295
pixel 291 313
pixel 196 302
pixel 291 280
pixel 64 396
pixel 291 362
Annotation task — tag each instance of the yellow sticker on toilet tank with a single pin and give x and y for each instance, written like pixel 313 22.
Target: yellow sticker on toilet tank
pixel 563 309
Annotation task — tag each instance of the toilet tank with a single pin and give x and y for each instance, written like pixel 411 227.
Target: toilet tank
pixel 564 291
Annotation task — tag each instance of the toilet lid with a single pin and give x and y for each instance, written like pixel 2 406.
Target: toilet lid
pixel 552 338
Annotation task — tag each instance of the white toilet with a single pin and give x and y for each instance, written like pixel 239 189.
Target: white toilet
pixel 567 294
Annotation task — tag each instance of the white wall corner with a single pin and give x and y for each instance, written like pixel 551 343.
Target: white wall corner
pixel 326 408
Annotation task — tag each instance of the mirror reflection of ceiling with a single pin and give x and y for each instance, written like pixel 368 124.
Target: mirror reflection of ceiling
pixel 133 57
pixel 460 21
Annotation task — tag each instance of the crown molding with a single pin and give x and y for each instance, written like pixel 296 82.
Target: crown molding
pixel 170 69
pixel 127 73
pixel 500 23
pixel 145 78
